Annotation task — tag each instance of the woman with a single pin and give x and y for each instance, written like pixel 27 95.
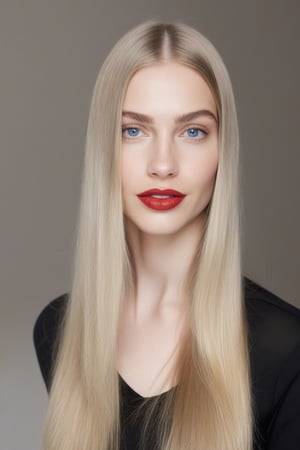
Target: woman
pixel 162 343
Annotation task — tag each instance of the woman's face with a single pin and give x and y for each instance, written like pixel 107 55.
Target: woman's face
pixel 169 141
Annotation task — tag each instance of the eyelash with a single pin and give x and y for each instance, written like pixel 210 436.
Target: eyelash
pixel 124 128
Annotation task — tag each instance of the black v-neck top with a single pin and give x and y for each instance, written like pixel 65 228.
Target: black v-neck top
pixel 274 345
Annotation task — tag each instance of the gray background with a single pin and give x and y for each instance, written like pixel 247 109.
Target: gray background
pixel 51 52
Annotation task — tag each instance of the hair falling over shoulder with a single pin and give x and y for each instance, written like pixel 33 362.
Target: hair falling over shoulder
pixel 211 407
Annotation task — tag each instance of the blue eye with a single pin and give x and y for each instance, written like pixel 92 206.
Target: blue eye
pixel 132 131
pixel 195 132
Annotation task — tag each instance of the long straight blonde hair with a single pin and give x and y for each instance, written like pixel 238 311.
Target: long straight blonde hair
pixel 210 408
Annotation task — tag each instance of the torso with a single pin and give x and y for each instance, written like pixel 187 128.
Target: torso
pixel 274 331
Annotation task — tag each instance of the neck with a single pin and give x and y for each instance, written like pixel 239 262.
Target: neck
pixel 162 265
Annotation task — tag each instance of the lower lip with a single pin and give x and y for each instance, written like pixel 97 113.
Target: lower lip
pixel 160 204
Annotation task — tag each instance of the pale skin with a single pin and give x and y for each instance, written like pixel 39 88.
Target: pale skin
pixel 163 154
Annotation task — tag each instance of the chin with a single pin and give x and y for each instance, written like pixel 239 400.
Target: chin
pixel 155 229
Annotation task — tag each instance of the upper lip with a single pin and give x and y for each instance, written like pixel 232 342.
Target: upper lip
pixel 162 192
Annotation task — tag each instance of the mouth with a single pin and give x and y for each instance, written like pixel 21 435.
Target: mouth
pixel 159 196
pixel 161 193
pixel 161 199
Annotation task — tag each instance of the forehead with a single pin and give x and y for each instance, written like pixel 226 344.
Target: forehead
pixel 168 85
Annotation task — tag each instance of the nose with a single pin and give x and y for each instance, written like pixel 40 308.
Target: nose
pixel 162 161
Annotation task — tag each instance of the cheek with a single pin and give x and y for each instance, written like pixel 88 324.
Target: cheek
pixel 130 171
pixel 204 170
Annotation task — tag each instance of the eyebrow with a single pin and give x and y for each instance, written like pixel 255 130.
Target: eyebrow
pixel 183 118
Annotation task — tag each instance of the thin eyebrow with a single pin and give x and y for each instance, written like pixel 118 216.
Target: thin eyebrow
pixel 183 118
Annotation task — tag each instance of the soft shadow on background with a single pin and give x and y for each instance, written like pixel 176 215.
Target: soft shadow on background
pixel 51 52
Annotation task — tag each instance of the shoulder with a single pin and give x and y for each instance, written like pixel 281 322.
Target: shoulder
pixel 45 333
pixel 274 345
pixel 257 296
pixel 271 320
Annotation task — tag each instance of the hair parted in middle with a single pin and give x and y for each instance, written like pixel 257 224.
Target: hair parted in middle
pixel 211 406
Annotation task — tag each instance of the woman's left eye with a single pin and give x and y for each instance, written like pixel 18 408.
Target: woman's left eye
pixel 195 132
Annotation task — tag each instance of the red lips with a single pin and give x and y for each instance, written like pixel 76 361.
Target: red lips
pixel 162 192
pixel 161 204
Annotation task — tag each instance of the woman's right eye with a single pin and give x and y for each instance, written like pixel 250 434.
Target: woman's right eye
pixel 130 132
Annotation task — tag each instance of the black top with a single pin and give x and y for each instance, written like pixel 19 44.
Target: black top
pixel 274 345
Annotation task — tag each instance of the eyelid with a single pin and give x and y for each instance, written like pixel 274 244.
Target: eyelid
pixel 125 126
pixel 196 126
pixel 137 125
